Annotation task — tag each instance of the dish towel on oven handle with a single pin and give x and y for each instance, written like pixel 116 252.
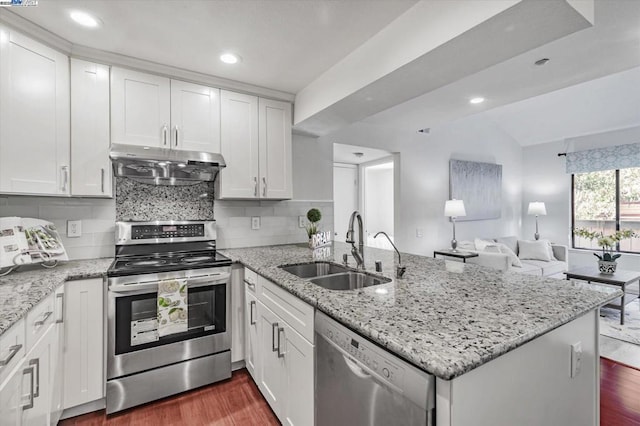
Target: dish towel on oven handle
pixel 172 307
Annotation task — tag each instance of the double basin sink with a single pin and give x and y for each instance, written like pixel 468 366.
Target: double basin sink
pixel 334 277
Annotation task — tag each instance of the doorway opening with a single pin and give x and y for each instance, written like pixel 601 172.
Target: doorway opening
pixel 364 179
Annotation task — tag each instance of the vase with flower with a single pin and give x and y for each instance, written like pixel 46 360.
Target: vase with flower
pixel 609 243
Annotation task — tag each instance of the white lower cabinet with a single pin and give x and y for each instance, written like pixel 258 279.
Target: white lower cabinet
pixel 57 363
pixel 12 396
pixel 84 375
pixel 279 358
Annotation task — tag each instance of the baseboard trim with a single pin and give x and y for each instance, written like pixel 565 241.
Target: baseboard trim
pixel 238 365
pixel 79 410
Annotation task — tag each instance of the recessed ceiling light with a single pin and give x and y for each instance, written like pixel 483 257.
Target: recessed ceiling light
pixel 84 19
pixel 229 58
pixel 359 154
pixel 476 100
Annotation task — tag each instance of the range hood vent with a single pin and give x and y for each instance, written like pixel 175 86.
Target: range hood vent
pixel 160 166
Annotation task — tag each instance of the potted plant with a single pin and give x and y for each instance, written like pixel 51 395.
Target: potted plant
pixel 314 216
pixel 607 260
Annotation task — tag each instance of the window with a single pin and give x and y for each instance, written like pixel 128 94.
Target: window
pixel 607 201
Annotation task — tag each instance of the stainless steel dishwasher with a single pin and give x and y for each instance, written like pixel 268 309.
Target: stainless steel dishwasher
pixel 359 383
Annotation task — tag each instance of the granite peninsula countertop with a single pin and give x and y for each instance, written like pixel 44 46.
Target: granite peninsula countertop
pixel 445 317
pixel 22 290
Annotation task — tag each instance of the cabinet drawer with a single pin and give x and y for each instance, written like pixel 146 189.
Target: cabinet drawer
pixel 12 348
pixel 39 319
pixel 295 312
pixel 250 279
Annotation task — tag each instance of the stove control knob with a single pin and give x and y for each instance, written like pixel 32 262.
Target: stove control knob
pixel 385 372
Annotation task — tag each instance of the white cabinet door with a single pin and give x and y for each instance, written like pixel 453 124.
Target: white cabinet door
pixel 84 335
pixel 271 371
pixel 298 406
pixel 15 394
pixel 237 313
pixel 140 108
pixel 34 117
pixel 251 332
pixel 90 164
pixel 239 145
pixel 195 117
pixel 40 359
pixel 275 149
pixel 56 378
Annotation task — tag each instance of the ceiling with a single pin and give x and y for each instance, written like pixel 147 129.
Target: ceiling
pixel 284 44
pixel 611 46
pixel 343 153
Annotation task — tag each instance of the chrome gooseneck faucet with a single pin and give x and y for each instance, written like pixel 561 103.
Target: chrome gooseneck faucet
pixel 400 270
pixel 357 253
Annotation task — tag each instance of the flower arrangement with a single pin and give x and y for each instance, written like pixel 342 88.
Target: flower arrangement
pixel 607 242
pixel 314 216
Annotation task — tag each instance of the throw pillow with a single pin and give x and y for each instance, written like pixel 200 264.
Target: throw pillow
pixel 551 255
pixel 515 261
pixel 482 244
pixel 534 250
pixel 510 241
pixel 492 249
pixel 466 245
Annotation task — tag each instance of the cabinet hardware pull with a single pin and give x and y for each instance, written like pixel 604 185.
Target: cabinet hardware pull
pixel 274 327
pixel 102 180
pixel 252 286
pixel 164 135
pixel 255 186
pixel 29 370
pixel 264 188
pixel 42 320
pixel 251 305
pixel 176 135
pixel 65 178
pixel 60 296
pixel 280 354
pixel 36 389
pixel 13 350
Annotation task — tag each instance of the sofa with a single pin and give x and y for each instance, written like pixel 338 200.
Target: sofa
pixel 496 256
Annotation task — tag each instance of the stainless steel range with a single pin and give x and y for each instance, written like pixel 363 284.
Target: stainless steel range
pixel 143 363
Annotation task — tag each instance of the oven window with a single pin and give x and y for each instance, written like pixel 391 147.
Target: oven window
pixel 137 324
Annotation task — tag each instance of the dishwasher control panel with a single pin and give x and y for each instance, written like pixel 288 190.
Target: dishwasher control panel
pixel 374 358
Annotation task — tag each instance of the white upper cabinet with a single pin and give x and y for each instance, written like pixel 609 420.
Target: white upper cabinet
pixel 274 120
pixel 90 165
pixel 256 145
pixel 140 108
pixel 239 146
pixel 34 117
pixel 195 117
pixel 155 111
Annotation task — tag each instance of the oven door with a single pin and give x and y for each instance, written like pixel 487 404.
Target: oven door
pixel 133 342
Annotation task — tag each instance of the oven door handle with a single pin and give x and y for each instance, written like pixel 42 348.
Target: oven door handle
pixel 214 279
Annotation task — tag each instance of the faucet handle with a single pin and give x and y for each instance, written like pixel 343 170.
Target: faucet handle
pixel 400 270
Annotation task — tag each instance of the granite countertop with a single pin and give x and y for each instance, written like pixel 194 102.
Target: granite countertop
pixel 22 290
pixel 445 317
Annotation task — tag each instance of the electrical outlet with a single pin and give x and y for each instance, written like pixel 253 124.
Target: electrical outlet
pixel 74 228
pixel 301 222
pixel 419 233
pixel 576 359
pixel 255 222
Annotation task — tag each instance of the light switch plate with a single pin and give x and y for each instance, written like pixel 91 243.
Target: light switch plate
pixel 255 222
pixel 301 222
pixel 74 228
pixel 419 233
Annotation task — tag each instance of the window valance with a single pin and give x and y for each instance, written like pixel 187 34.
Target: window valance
pixel 609 158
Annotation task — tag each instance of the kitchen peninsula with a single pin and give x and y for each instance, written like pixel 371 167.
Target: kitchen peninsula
pixel 499 344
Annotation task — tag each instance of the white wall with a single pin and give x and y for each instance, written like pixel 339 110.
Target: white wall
pixel 545 179
pixel 379 200
pixel 345 197
pixel 423 174
pixel 312 169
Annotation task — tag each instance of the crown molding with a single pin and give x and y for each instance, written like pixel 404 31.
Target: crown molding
pixel 110 58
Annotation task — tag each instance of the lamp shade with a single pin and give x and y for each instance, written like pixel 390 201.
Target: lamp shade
pixel 454 208
pixel 537 208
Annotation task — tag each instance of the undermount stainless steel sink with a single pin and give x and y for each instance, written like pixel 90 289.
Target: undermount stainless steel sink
pixel 349 281
pixel 314 269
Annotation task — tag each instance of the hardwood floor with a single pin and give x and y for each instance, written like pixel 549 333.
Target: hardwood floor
pixel 619 394
pixel 233 402
pixel 238 402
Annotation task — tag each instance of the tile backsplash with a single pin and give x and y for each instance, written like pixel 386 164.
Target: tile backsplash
pixel 97 216
pixel 142 202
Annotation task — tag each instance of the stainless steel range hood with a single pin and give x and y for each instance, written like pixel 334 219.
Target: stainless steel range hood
pixel 160 166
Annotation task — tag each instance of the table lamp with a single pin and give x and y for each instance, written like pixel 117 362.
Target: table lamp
pixel 537 208
pixel 454 208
